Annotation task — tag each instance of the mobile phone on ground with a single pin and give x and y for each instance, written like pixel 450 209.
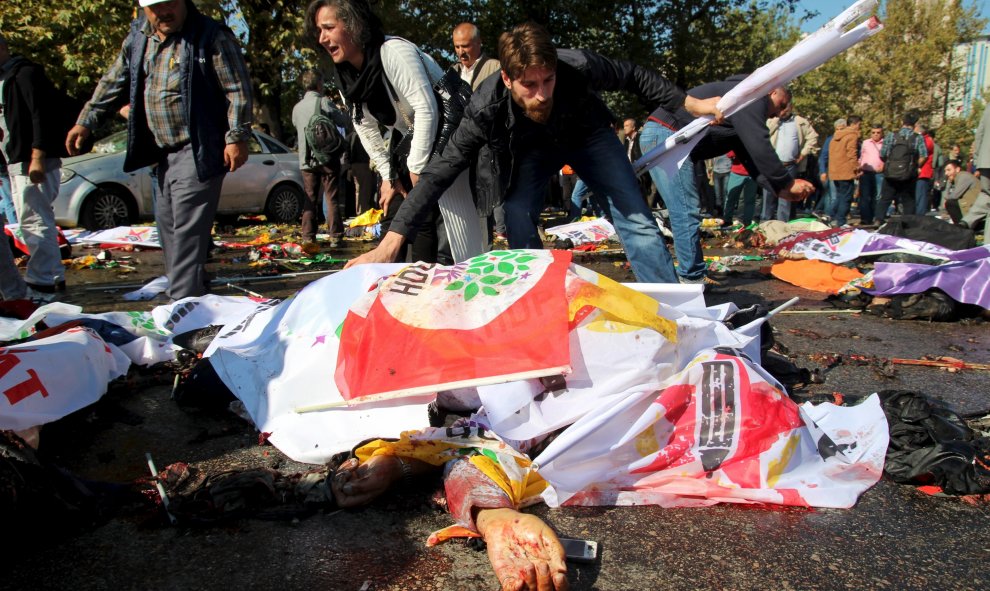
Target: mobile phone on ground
pixel 579 550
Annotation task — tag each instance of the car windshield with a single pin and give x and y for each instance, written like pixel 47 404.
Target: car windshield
pixel 111 144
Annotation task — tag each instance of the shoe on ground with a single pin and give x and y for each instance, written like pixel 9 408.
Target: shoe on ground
pixel 40 297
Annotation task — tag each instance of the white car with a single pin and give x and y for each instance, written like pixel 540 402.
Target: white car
pixel 96 193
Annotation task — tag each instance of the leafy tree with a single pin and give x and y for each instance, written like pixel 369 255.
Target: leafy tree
pixel 76 42
pixel 689 41
pixel 276 53
pixel 904 67
pixel 960 130
pixel 910 59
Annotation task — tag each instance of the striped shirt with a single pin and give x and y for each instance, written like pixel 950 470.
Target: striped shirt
pixel 166 113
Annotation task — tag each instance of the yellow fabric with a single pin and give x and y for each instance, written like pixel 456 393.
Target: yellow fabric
pixel 507 468
pixel 620 304
pixel 368 218
pixel 436 453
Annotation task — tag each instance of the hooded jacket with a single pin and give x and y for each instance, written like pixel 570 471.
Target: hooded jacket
pixel 843 154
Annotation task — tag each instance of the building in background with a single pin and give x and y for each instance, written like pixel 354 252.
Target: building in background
pixel 973 60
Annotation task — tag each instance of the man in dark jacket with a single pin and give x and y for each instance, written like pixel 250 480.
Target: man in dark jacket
pixel 189 92
pixel 744 133
pixel 30 142
pixel 521 127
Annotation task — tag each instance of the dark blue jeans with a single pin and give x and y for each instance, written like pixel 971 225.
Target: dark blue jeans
pixel 775 208
pixel 601 162
pixel 921 191
pixel 869 193
pixel 680 194
pixel 843 199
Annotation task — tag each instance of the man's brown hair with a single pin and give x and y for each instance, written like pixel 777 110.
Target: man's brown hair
pixel 526 46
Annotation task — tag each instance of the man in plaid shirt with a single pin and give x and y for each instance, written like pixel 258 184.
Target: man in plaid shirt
pixel 189 92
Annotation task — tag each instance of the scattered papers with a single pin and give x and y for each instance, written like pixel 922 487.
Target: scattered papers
pixel 146 236
pixel 149 291
pixel 586 232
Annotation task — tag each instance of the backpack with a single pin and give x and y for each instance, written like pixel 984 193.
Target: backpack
pixel 324 141
pixel 902 159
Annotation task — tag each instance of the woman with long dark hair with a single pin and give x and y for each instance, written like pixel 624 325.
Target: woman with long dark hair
pixel 388 81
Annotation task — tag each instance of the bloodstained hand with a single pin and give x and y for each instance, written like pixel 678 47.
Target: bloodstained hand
pixel 525 553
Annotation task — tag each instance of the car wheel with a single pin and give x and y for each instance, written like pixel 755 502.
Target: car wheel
pixel 285 204
pixel 107 207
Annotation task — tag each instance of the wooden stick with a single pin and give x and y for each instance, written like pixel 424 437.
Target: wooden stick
pixel 425 390
pixel 947 362
pixel 822 312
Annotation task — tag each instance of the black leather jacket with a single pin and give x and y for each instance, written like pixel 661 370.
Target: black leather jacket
pixel 489 137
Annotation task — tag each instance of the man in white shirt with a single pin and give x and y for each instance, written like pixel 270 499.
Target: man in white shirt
pixel 794 139
pixel 473 66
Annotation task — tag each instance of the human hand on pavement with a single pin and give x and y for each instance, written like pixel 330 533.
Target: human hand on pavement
pixel 386 251
pixel 709 106
pixel 523 550
pixel 235 155
pixel 356 484
pixel 76 138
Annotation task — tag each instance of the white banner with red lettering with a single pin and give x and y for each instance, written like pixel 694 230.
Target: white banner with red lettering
pixel 66 371
pixel 719 431
pixel 44 380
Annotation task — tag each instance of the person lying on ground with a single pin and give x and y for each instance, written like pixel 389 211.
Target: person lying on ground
pixel 523 550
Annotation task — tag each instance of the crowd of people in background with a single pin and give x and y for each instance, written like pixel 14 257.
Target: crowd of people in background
pixel 765 163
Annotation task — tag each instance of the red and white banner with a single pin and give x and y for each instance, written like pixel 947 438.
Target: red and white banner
pixel 44 380
pixel 587 232
pixel 280 360
pixel 146 236
pixel 719 431
pixel 497 317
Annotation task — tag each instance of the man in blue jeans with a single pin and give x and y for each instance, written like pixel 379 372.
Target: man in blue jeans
pixel 745 133
pixel 521 127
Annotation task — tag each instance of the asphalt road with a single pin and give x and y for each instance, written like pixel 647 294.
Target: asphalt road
pixel 895 538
